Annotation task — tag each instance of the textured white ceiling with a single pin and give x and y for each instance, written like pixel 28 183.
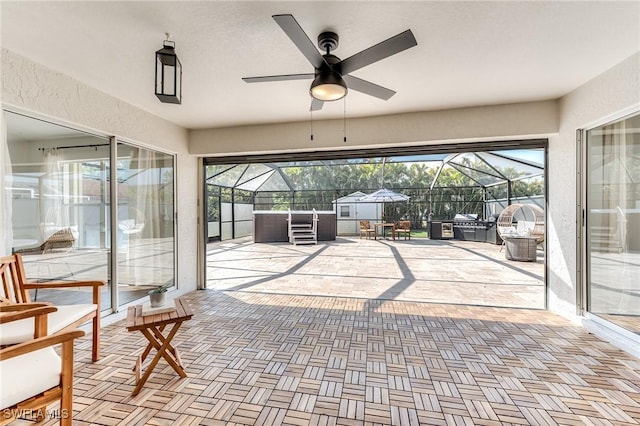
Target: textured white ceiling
pixel 468 53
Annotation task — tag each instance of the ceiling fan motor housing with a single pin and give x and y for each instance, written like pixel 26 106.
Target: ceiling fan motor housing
pixel 333 64
pixel 328 84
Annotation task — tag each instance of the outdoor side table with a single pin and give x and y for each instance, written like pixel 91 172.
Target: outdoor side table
pixel 383 226
pixel 152 327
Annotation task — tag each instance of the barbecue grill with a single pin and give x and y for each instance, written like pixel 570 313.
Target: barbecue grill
pixel 468 227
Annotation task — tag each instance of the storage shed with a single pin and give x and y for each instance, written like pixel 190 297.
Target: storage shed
pixel 350 211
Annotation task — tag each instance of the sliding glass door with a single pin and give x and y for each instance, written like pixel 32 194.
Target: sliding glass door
pixel 613 223
pixel 58 210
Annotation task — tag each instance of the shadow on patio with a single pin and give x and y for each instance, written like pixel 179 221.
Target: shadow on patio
pixel 421 270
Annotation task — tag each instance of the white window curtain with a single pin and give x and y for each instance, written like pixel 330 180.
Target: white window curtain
pixel 54 212
pixel 6 200
pixel 146 179
pixel 145 242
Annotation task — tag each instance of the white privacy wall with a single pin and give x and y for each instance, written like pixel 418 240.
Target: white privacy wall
pixel 39 91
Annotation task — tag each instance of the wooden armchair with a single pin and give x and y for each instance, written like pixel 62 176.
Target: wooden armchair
pixel 18 311
pixel 33 374
pixel 403 228
pixel 366 229
pixel 15 290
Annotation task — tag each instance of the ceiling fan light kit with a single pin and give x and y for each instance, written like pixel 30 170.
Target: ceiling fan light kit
pixel 331 76
pixel 328 86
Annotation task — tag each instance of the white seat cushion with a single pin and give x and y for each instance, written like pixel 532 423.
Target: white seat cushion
pixel 22 330
pixel 28 375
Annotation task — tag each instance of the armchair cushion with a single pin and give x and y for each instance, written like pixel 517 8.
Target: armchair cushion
pixel 35 371
pixel 23 330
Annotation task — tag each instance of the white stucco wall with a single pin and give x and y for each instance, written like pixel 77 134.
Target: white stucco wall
pixel 529 119
pixel 606 97
pixel 35 89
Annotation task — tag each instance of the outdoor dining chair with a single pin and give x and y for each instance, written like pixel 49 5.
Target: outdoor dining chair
pixel 366 229
pixel 403 228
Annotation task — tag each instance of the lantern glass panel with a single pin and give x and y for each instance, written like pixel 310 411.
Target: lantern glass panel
pixel 178 79
pixel 169 80
pixel 166 77
pixel 159 75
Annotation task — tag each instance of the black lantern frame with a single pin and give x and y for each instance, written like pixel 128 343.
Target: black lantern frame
pixel 168 74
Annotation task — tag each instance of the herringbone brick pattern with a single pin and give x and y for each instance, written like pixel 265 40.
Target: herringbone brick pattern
pixel 265 359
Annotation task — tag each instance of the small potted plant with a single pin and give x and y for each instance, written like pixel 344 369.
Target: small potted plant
pixel 157 296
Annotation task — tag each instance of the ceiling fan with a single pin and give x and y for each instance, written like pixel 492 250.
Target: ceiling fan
pixel 331 77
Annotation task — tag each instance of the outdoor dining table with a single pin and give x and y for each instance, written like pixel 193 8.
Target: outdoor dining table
pixel 384 225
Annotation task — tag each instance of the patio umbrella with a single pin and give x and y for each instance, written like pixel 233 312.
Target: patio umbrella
pixel 384 196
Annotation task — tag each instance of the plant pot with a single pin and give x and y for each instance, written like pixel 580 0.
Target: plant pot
pixel 156 299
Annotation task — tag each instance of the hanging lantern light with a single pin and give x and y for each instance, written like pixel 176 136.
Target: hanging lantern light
pixel 168 74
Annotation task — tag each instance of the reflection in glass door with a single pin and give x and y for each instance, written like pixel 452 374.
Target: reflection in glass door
pixel 145 229
pixel 59 206
pixel 613 223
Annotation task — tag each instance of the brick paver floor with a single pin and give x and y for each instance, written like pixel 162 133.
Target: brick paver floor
pixel 266 359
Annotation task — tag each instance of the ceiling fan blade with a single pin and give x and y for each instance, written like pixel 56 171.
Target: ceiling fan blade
pixel 367 87
pixel 382 50
pixel 297 35
pixel 283 77
pixel 316 104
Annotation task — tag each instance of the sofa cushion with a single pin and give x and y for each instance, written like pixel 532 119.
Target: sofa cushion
pixel 28 375
pixel 22 330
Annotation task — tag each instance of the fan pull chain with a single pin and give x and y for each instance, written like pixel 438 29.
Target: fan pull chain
pixel 311 121
pixel 344 119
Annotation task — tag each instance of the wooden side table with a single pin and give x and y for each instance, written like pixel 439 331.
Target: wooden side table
pixel 384 225
pixel 152 327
